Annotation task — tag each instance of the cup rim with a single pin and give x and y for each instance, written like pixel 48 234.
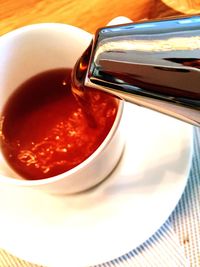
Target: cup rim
pixel 77 169
pixel 42 25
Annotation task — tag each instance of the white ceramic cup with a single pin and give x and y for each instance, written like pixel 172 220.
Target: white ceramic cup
pixel 33 49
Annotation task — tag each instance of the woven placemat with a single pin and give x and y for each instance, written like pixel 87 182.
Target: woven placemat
pixel 186 217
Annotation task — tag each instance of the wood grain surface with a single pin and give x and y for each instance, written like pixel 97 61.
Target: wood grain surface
pixel 87 14
pixel 184 6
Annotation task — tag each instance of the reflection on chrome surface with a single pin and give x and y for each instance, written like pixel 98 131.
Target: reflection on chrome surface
pixel 154 64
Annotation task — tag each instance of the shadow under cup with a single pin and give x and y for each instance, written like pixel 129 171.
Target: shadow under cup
pixel 34 49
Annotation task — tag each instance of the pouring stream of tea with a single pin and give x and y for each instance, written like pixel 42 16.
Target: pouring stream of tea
pixel 79 90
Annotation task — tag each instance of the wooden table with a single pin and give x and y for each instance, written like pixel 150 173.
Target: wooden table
pixel 87 14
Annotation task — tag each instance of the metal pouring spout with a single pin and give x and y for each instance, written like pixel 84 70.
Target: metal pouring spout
pixel 155 64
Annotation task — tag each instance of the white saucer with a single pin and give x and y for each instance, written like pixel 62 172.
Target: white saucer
pixel 113 218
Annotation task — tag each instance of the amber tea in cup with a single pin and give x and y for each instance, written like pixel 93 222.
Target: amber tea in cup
pixel 48 140
pixel 46 131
